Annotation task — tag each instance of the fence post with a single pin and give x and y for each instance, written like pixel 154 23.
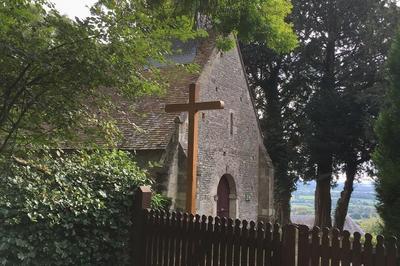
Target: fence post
pixel 288 251
pixel 142 201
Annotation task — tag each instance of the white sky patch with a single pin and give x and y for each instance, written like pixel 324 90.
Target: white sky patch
pixel 74 8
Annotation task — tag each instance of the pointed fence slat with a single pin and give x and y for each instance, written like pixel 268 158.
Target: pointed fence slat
pixel 210 232
pixel 172 225
pixel 229 242
pixel 160 238
pixel 197 251
pixel 215 239
pixel 190 241
pixel 178 243
pixel 315 247
pixel 268 245
pixel 345 251
pixel 259 244
pixel 149 238
pixel 289 245
pixel 325 247
pixel 276 245
pixel 367 255
pixel 380 251
pixel 252 242
pixel 167 240
pixel 153 249
pixel 236 243
pixel 335 254
pixel 223 239
pixel 303 246
pixel 356 257
pixel 204 244
pixel 244 243
pixel 392 252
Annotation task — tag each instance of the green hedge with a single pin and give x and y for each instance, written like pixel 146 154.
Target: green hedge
pixel 68 209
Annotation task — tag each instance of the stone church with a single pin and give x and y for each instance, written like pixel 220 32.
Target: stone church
pixel 235 173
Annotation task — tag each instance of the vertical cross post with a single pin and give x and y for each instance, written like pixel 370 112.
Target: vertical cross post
pixel 192 108
pixel 192 150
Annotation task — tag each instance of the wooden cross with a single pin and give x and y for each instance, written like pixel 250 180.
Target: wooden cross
pixel 192 108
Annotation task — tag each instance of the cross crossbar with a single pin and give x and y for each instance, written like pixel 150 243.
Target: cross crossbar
pixel 184 107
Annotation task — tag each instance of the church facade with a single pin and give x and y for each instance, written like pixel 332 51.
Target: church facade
pixel 234 173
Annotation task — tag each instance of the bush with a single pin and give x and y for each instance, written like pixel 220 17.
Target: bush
pixel 68 209
pixel 372 225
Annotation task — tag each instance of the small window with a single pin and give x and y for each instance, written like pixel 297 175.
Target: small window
pixel 231 122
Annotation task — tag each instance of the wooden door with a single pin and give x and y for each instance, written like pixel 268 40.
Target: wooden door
pixel 223 198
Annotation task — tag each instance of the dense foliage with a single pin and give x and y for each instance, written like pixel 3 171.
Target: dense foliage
pixel 51 65
pixel 68 209
pixel 387 154
pixel 252 20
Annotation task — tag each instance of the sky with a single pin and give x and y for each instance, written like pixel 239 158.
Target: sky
pixel 74 8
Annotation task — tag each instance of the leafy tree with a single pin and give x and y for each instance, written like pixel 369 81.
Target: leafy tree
pixel 251 20
pixel 387 154
pixel 50 65
pixel 68 209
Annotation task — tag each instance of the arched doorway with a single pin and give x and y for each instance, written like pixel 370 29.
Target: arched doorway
pixel 226 197
pixel 223 197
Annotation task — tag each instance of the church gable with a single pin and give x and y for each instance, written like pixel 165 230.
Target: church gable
pixel 229 139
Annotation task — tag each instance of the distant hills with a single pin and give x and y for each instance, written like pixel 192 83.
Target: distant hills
pixel 362 203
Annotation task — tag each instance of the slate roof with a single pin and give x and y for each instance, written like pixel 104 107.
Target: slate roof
pixel 308 220
pixel 143 123
pixel 184 53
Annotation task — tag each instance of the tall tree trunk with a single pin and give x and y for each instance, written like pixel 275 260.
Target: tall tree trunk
pixel 344 199
pixel 323 201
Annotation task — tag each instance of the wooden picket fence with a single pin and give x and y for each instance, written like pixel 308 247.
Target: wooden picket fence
pixel 176 239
